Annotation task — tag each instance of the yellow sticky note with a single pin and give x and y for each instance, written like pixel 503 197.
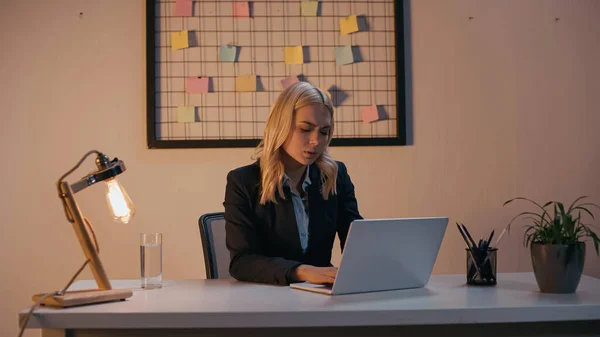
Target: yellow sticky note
pixel 186 114
pixel 245 83
pixel 293 55
pixel 309 8
pixel 179 40
pixel 348 25
pixel 326 92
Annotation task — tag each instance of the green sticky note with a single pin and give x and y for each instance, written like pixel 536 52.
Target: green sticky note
pixel 186 114
pixel 309 8
pixel 343 55
pixel 227 53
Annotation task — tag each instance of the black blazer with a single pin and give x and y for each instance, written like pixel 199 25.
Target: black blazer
pixel 264 241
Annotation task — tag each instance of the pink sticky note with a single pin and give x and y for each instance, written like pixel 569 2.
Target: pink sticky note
pixel 286 82
pixel 183 8
pixel 241 9
pixel 196 85
pixel 369 113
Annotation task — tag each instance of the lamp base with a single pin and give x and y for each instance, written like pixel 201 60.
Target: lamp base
pixel 83 297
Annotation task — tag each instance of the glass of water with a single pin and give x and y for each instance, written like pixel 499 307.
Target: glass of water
pixel 151 260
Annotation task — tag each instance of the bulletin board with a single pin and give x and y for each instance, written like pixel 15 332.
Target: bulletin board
pixel 214 68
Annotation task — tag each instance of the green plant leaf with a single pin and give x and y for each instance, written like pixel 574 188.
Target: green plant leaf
pixel 562 227
pixel 594 237
pixel 585 210
pixel 523 198
pixel 567 220
pixel 526 213
pixel 589 204
pixel 574 202
pixel 534 220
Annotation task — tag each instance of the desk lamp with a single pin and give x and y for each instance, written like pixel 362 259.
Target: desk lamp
pixel 122 210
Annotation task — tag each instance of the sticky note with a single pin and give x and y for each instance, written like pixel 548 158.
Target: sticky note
pixel 343 55
pixel 369 114
pixel 286 82
pixel 227 53
pixel 348 25
pixel 326 92
pixel 245 83
pixel 293 55
pixel 183 8
pixel 186 114
pixel 179 40
pixel 196 85
pixel 241 9
pixel 309 8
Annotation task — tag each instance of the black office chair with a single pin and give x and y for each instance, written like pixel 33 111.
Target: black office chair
pixel 216 255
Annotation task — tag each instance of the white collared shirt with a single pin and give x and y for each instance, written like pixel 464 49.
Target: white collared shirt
pixel 300 208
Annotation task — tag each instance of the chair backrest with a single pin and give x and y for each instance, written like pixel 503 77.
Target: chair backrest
pixel 216 254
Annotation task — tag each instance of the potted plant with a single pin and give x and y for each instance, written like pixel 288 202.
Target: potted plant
pixel 554 236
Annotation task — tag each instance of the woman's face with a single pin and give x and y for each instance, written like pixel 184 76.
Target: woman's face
pixel 308 137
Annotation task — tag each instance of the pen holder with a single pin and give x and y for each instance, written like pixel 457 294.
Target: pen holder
pixel 482 271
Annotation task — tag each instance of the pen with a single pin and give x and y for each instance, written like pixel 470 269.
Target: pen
pixel 463 235
pixel 468 235
pixel 500 238
pixel 475 261
pixel 489 240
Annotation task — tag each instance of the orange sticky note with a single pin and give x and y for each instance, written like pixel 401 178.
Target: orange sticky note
pixel 196 85
pixel 245 83
pixel 179 40
pixel 286 82
pixel 183 8
pixel 369 114
pixel 293 55
pixel 186 114
pixel 241 9
pixel 348 25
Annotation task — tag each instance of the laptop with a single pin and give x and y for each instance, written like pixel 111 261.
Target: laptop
pixel 385 254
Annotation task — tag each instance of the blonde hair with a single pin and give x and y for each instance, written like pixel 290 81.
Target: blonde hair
pixel 277 130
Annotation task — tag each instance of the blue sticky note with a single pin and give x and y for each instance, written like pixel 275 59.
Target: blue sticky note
pixel 343 55
pixel 227 53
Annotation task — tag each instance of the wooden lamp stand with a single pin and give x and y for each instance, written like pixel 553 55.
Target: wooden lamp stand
pixel 87 240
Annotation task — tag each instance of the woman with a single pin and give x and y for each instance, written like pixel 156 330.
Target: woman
pixel 282 212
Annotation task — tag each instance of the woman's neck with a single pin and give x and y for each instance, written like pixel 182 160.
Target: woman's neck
pixel 294 170
pixel 296 175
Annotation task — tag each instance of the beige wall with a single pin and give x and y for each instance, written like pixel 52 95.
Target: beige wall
pixel 504 104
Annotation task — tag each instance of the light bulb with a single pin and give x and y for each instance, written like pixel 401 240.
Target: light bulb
pixel 118 201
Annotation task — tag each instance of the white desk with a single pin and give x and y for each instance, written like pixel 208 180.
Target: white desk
pixel 230 308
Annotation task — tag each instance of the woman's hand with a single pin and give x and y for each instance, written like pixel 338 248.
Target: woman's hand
pixel 316 275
